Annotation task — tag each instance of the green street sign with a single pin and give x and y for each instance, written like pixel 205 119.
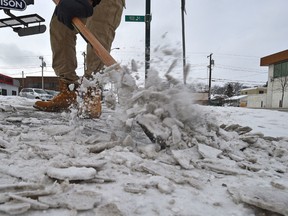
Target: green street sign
pixel 133 18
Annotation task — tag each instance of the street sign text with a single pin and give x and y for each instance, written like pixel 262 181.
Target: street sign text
pixel 134 18
pixel 13 4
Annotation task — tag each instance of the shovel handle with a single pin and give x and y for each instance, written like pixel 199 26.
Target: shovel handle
pixel 100 51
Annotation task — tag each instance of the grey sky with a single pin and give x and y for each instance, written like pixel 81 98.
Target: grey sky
pixel 238 33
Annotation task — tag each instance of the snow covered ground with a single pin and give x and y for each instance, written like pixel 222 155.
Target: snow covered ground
pixel 206 160
pixel 269 122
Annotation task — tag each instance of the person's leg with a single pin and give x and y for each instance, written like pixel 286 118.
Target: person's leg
pixel 105 20
pixel 63 45
pixel 103 24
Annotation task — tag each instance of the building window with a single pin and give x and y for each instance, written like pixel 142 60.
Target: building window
pixel 261 92
pixel 4 92
pixel 14 92
pixel 281 69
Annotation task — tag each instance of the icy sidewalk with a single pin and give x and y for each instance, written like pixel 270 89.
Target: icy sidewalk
pixel 58 164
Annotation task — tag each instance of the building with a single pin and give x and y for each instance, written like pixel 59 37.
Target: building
pixel 8 85
pixel 277 90
pixel 50 83
pixel 256 97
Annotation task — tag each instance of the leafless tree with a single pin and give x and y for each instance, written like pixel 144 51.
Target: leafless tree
pixel 283 87
pixel 216 89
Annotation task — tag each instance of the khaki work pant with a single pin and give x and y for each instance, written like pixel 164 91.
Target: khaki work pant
pixel 103 24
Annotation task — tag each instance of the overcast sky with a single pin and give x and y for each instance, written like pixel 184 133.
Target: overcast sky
pixel 238 33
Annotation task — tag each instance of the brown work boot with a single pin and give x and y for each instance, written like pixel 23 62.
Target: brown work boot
pixel 91 106
pixel 60 102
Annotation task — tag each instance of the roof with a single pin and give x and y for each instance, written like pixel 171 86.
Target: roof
pixel 274 58
pixel 5 75
pixel 217 97
pixel 254 88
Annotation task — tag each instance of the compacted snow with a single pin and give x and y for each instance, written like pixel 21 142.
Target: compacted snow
pixel 157 153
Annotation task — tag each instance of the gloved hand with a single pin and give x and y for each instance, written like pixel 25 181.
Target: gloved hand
pixel 66 10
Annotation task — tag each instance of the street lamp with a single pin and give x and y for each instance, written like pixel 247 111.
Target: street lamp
pixel 118 48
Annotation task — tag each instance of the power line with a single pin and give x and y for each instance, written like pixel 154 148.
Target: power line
pixel 237 55
pixel 230 80
pixel 229 67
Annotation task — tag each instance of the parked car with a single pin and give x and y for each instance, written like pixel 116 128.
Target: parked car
pixel 51 92
pixel 35 93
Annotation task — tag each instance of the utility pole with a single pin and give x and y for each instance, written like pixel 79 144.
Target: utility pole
pixel 43 64
pixel 183 10
pixel 23 79
pixel 147 36
pixel 211 63
pixel 84 55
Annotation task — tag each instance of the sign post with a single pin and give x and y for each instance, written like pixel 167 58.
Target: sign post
pixel 147 37
pixel 20 24
pixel 147 20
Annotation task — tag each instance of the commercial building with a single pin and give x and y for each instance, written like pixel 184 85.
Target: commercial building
pixel 8 85
pixel 50 83
pixel 277 90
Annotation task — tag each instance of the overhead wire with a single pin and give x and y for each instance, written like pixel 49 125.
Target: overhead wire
pixel 131 54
